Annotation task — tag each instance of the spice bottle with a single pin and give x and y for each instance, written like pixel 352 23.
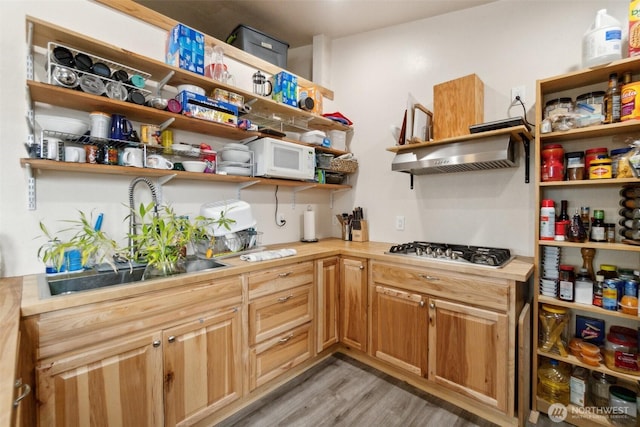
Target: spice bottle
pixel 547 220
pixel 597 227
pixel 566 288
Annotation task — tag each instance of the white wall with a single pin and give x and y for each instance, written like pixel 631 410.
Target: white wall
pixel 507 43
pixel 371 76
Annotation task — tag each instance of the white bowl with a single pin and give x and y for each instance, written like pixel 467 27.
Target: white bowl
pixel 192 88
pixel 194 166
pixel 61 124
pixel 233 155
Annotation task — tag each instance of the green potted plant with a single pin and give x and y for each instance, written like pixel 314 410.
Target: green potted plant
pixel 162 238
pixel 93 246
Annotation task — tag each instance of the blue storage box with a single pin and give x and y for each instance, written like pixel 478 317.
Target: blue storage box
pixel 185 49
pixel 285 88
pixel 205 108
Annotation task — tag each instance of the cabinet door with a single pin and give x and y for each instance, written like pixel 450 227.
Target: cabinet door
pixel 119 384
pixel 468 351
pixel 353 302
pixel 328 271
pixel 277 355
pixel 399 328
pixel 202 366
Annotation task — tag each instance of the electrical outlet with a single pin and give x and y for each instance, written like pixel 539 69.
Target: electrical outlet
pixel 400 222
pixel 281 219
pixel 517 91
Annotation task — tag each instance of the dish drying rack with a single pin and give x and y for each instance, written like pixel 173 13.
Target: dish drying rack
pixel 229 245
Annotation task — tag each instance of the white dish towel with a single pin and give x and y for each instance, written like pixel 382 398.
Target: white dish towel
pixel 265 255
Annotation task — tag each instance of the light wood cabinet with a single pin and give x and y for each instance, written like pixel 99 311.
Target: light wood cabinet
pixel 353 302
pixel 399 328
pixel 468 351
pixel 115 384
pixel 601 194
pixel 327 280
pixel 202 366
pixel 281 314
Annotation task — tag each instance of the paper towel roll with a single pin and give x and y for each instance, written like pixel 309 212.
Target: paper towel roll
pixel 309 225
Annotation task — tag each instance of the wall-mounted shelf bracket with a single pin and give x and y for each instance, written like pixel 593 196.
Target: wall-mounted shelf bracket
pixel 159 183
pixel 331 196
pixel 242 186
pixel 166 123
pixel 30 51
pixel 527 157
pixel 297 190
pixel 31 188
pixel 164 81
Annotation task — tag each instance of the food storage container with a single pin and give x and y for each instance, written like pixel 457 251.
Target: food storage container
pixel 621 353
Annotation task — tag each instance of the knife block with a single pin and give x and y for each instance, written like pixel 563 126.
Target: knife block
pixel 362 234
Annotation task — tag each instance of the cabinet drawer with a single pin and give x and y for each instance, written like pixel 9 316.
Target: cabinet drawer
pixel 265 282
pixel 276 356
pixel 276 313
pixel 473 289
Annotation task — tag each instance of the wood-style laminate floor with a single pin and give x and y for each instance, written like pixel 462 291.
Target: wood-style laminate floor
pixel 341 391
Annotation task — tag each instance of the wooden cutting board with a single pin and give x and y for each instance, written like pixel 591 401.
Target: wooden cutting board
pixel 457 104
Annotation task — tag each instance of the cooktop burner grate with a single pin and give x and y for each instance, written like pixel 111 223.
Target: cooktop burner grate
pixel 477 255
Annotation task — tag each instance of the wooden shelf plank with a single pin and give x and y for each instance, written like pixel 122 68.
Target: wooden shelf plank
pixel 596 245
pixel 576 416
pixel 598 311
pixel 52 165
pixel 596 131
pixel 516 132
pixel 616 182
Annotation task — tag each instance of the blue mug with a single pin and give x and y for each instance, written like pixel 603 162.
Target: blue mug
pixel 120 127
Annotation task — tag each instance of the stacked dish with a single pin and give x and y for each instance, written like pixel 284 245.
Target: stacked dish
pixel 235 159
pixel 550 266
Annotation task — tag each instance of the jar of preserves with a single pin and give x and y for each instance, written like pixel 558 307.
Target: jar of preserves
pixel 567 283
pixel 553 329
pixel 594 153
pixel 600 169
pixel 621 353
pixel 575 165
pixel 557 106
pixel 553 163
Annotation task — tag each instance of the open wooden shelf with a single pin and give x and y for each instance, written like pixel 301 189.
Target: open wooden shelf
pixel 52 165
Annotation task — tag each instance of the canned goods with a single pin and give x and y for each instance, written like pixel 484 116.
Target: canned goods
pixel 610 294
pixel 166 138
pixel 631 288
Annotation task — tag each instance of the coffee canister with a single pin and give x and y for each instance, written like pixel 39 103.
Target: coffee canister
pixel 630 101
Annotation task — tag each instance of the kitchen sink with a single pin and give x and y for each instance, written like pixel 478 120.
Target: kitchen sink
pixel 103 277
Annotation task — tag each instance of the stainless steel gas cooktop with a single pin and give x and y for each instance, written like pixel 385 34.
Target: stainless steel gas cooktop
pixel 461 254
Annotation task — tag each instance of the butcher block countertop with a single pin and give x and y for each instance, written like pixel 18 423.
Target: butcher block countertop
pixel 519 269
pixel 21 296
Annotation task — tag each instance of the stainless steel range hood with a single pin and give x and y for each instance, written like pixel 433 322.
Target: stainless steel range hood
pixel 492 152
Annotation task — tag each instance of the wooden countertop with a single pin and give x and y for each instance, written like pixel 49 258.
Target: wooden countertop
pixel 519 269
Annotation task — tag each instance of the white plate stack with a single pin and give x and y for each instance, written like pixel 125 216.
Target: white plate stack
pixel 235 159
pixel 550 271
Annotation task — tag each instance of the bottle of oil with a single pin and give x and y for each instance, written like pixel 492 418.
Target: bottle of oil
pixel 612 101
pixel 553 382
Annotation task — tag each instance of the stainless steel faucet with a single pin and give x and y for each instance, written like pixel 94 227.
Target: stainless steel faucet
pixel 133 225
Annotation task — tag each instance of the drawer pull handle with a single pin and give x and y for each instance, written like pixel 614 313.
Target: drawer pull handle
pixel 156 343
pixel 284 274
pixel 421 303
pixel 427 277
pixel 361 267
pixel 26 389
pixel 432 305
pixel 285 339
pixel 285 299
pixel 172 338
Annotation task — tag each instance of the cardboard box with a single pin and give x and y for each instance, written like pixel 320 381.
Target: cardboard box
pixel 205 108
pixel 590 329
pixel 185 49
pixel 285 88
pixel 313 93
pixel 457 104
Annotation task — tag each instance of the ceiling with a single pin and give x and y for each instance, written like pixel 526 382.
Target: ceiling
pixel 297 21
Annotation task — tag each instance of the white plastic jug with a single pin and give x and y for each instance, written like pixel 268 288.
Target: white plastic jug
pixel 602 43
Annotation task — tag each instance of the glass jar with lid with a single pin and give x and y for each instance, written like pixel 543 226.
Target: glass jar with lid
pixel 621 353
pixel 599 383
pixel 594 153
pixel 575 165
pixel 553 329
pixel 557 106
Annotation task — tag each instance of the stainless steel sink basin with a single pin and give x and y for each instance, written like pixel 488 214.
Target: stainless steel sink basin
pixel 97 279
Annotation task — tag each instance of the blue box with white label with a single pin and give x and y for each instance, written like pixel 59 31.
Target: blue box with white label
pixel 185 49
pixel 285 88
pixel 205 108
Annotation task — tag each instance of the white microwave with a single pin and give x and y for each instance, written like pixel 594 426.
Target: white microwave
pixel 274 158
